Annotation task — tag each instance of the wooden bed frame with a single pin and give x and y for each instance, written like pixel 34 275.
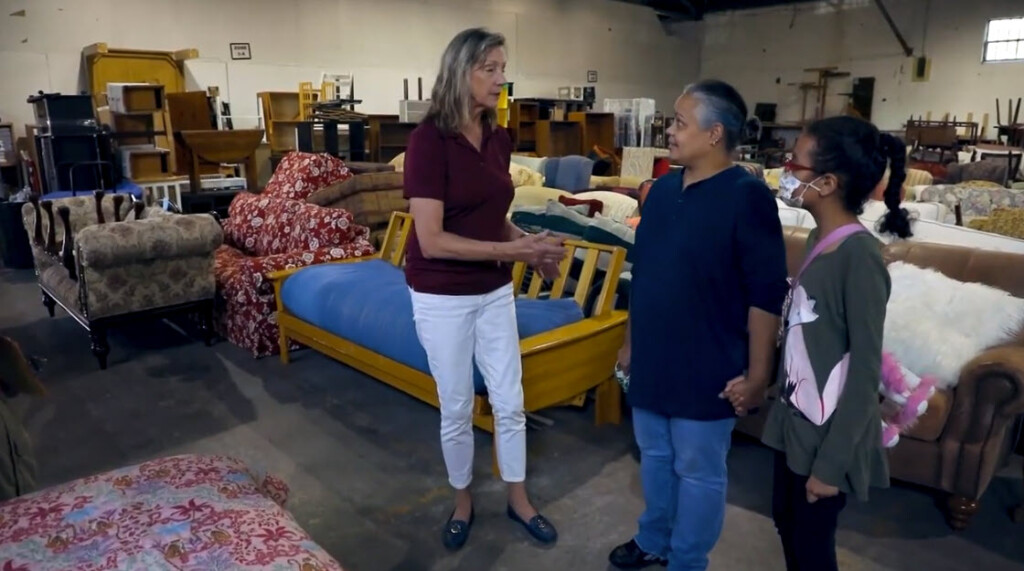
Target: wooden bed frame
pixel 560 366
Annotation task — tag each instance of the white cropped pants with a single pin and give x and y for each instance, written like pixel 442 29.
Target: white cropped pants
pixel 453 330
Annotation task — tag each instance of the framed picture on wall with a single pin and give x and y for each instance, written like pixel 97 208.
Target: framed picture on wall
pixel 240 51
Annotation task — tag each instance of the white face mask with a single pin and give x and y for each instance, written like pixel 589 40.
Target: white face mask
pixel 789 185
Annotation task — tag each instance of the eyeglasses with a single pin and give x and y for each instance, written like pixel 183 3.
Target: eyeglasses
pixel 790 166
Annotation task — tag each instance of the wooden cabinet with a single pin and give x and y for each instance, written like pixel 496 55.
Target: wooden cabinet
pixel 280 110
pixel 373 134
pixel 598 129
pixel 522 125
pixel 190 111
pixel 393 139
pixel 559 138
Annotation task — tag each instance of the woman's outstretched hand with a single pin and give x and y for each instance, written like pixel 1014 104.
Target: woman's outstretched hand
pixel 540 250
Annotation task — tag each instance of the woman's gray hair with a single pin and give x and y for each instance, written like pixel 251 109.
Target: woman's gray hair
pixel 450 105
pixel 719 102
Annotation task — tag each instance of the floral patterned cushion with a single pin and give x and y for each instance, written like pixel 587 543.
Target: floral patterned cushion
pixel 176 513
pixel 973 201
pixel 247 314
pixel 262 226
pixel 264 235
pixel 300 174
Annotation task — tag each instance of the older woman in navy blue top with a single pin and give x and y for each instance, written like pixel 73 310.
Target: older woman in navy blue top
pixel 709 281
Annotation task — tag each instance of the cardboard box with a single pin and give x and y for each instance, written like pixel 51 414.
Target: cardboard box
pixel 135 97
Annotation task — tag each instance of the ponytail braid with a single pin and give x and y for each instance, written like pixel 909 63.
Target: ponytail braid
pixel 897 220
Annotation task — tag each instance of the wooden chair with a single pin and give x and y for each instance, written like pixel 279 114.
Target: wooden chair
pixel 560 366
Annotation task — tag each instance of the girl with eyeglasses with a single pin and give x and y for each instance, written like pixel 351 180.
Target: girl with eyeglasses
pixel 826 424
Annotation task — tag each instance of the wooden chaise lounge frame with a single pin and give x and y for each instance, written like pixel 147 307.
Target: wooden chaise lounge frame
pixel 559 366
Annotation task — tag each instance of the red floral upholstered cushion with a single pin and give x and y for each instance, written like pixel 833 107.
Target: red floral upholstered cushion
pixel 301 174
pixel 247 316
pixel 265 234
pixel 259 225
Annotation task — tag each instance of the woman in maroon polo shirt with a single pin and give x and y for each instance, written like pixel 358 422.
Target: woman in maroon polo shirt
pixel 459 270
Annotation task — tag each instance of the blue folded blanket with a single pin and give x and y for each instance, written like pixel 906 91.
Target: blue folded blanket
pixel 368 303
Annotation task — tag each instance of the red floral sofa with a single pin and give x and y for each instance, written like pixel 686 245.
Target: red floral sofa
pixel 265 234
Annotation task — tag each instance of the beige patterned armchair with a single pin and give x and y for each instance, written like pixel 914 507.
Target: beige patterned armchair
pixel 121 262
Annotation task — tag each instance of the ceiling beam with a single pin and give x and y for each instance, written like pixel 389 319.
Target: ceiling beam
pixel 688 7
pixel 674 10
pixel 909 51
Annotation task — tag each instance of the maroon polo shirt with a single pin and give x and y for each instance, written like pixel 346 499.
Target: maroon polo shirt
pixel 476 189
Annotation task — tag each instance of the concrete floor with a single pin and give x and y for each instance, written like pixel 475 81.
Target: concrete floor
pixel 365 468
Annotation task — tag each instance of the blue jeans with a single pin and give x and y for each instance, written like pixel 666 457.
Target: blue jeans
pixel 684 476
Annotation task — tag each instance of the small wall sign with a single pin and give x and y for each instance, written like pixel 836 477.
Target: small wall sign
pixel 240 51
pixel 592 76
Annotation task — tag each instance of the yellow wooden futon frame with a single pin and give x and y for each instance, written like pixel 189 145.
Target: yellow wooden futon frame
pixel 560 366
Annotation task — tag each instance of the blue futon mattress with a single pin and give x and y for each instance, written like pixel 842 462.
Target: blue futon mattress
pixel 368 303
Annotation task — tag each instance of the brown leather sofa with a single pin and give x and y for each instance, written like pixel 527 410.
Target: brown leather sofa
pixel 371 197
pixel 968 432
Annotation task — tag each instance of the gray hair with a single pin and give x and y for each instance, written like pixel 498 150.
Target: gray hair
pixel 450 106
pixel 719 102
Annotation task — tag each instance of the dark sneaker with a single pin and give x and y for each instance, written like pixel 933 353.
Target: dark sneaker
pixel 456 532
pixel 630 556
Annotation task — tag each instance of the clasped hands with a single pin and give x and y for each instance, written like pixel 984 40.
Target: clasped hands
pixel 745 394
pixel 542 252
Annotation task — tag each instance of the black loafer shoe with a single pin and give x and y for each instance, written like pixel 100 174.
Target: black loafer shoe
pixel 538 526
pixel 630 556
pixel 456 532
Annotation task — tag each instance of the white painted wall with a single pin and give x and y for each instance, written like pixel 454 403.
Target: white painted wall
pixel 754 49
pixel 551 43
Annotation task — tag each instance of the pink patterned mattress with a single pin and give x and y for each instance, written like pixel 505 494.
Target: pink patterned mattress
pixel 208 513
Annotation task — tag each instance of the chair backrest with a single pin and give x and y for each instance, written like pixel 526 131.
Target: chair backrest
pixel 581 285
pixel 571 173
pixel 82 210
pixel 393 248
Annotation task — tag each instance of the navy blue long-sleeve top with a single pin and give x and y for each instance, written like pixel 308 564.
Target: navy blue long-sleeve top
pixel 703 256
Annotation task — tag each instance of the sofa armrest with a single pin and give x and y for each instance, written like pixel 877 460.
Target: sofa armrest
pixel 272 265
pixel 122 243
pixel 279 275
pixel 989 395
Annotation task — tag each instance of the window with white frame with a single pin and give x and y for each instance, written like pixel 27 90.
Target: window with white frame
pixel 1004 40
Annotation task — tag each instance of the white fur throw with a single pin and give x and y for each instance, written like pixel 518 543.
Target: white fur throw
pixel 934 324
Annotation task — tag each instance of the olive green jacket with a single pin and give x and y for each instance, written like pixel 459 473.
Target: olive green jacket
pixel 827 418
